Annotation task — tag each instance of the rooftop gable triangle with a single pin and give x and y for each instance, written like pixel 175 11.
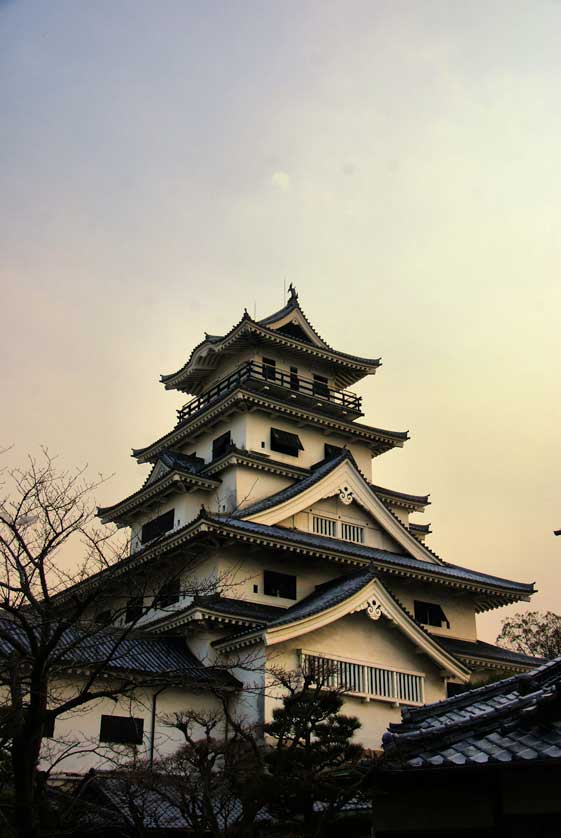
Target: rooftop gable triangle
pixel 341 477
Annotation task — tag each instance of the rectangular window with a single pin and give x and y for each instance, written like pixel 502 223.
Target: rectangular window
pixel 279 584
pixel 331 451
pixel 121 730
pixel 269 369
pixel 221 445
pixel 285 442
pixel 103 618
pixel 135 609
pixel 320 386
pixel 324 526
pixel 362 679
pixel 294 380
pixel 168 594
pixel 350 532
pixel 430 614
pixel 157 526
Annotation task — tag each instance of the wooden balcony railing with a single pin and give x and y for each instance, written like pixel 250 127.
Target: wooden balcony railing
pixel 274 377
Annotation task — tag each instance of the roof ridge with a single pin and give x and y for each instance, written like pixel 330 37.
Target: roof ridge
pixel 486 690
pixel 449 730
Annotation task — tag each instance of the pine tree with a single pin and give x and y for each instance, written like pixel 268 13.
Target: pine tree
pixel 313 764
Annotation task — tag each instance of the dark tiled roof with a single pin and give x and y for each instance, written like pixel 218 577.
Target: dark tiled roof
pixel 480 649
pixel 182 462
pixel 264 324
pixel 325 596
pixel 256 456
pixel 147 655
pixel 294 305
pixel 380 557
pixel 514 720
pixel 421 500
pixel 172 461
pixel 420 528
pixel 243 395
pixel 251 611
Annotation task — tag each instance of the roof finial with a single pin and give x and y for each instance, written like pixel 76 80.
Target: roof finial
pixel 293 293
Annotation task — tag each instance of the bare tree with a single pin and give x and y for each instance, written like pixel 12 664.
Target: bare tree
pixel 532 633
pixel 53 619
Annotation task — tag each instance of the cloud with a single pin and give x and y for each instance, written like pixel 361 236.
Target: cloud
pixel 281 180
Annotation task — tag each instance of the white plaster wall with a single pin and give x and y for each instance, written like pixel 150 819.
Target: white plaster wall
pixel 356 637
pixel 80 728
pixel 202 445
pixel 186 506
pixel 458 607
pixel 253 485
pixel 243 568
pixel 258 438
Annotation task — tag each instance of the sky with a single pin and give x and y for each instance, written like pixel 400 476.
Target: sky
pixel 164 165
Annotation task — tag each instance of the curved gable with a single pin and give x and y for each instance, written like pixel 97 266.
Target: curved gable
pixel 344 480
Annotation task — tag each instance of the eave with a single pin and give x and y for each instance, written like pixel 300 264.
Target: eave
pixel 413 503
pixel 378 439
pixel 499 666
pixel 172 483
pixel 257 461
pixel 348 369
pixel 491 595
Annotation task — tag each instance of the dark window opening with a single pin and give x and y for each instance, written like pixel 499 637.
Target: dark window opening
pixel 455 689
pixel 103 618
pixel 135 609
pixel 269 368
pixel 157 526
pixel 331 451
pixel 221 445
pixel 294 380
pixel 321 386
pixel 430 614
pixel 285 443
pixel 256 589
pixel 168 594
pixel 279 584
pixel 121 730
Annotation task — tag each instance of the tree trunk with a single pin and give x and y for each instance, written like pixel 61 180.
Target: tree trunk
pixel 24 763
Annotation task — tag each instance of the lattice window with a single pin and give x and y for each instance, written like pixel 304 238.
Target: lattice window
pixel 324 526
pixel 364 680
pixel 351 532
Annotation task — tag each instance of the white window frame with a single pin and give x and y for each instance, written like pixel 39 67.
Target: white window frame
pixel 358 528
pixel 393 671
pixel 324 519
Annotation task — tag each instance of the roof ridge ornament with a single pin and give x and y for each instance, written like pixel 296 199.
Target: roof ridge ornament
pixel 293 293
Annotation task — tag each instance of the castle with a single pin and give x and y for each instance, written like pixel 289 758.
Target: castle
pixel 266 485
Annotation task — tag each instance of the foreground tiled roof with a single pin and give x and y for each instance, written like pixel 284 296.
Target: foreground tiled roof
pixel 488 651
pixel 517 720
pixel 150 656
